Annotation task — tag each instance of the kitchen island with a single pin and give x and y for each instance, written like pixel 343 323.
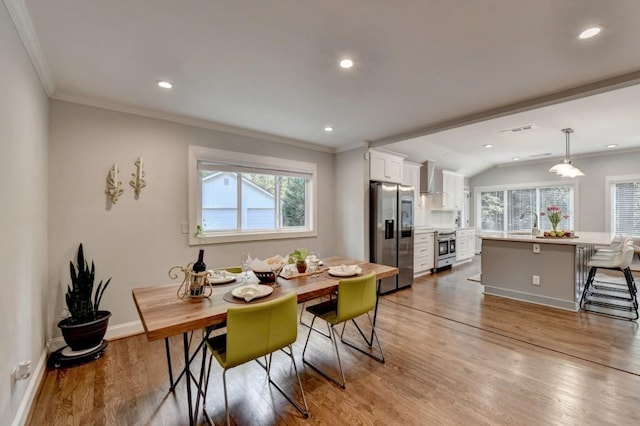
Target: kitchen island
pixel 544 270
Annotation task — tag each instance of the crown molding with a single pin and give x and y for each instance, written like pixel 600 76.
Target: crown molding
pixel 22 21
pixel 189 121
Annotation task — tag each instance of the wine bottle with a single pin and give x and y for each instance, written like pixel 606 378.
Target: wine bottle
pixel 198 267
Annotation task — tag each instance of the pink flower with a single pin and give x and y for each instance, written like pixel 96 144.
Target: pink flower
pixel 543 214
pixel 566 216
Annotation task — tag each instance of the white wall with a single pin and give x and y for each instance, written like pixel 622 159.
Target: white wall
pixel 23 217
pixel 590 207
pixel 137 241
pixel 352 203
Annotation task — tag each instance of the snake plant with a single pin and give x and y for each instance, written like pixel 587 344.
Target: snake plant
pixel 82 303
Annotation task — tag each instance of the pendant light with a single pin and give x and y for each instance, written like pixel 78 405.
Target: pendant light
pixel 565 168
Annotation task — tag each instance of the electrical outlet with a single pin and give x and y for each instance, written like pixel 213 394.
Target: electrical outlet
pixel 536 280
pixel 536 248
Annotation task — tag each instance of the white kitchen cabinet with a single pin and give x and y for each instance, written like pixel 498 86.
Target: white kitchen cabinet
pixel 423 252
pixel 385 167
pixel 465 244
pixel 453 190
pixel 411 177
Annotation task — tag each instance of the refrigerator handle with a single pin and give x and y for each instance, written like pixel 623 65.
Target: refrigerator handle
pixel 388 229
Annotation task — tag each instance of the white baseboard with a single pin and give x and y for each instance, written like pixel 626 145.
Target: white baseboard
pixel 553 302
pixel 113 332
pixel 32 389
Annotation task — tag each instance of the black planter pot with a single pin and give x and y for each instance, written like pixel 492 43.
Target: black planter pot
pixel 85 336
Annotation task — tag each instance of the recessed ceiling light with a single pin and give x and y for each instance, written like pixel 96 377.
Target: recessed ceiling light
pixel 612 145
pixel 165 84
pixel 488 145
pixel 516 158
pixel 346 63
pixel 328 129
pixel 589 32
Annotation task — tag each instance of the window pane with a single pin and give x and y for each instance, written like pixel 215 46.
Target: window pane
pixel 293 205
pixel 219 200
pixel 559 196
pixel 258 201
pixel 492 210
pixel 522 209
pixel 626 204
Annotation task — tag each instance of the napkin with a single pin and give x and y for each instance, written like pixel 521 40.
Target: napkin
pixel 248 292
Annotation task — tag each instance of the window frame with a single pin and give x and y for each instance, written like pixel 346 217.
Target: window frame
pixel 527 185
pixel 610 181
pixel 199 153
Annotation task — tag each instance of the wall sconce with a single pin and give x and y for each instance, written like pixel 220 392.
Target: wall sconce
pixel 138 182
pixel 114 187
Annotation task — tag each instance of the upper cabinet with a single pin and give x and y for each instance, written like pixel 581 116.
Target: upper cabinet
pixel 385 167
pixel 453 190
pixel 411 177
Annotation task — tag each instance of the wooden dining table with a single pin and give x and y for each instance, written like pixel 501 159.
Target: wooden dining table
pixel 164 314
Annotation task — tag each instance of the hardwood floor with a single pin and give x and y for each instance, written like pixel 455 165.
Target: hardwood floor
pixel 453 356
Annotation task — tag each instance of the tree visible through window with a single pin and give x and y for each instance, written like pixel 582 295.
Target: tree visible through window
pixel 235 196
pixel 509 210
pixel 234 200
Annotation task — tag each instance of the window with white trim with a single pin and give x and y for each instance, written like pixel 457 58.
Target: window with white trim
pixel 239 197
pixel 512 209
pixel 624 205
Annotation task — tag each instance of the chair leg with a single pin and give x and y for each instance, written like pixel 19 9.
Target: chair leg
pixel 226 401
pixel 304 411
pixel 334 341
pixel 592 274
pixel 374 336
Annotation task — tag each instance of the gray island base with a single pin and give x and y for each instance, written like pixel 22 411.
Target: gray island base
pixel 546 271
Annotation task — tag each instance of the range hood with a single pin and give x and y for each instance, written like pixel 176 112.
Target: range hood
pixel 427 177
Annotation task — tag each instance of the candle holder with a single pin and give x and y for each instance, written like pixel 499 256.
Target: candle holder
pixel 114 187
pixel 137 182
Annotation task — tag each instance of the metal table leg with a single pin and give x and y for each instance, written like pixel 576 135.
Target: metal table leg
pixel 185 342
pixel 166 347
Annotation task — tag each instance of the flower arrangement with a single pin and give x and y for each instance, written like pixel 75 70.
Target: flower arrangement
pixel 555 216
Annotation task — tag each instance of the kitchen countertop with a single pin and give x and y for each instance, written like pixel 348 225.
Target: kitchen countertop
pixel 596 238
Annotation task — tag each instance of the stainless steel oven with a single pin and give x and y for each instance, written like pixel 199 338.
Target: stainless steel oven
pixel 445 248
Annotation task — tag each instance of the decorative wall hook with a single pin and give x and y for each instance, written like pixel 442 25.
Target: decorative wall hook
pixel 137 182
pixel 114 187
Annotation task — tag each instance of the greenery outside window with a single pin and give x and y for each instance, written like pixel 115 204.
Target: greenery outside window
pixel 623 201
pixel 514 208
pixel 239 197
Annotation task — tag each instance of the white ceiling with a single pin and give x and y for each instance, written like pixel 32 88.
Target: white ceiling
pixel 420 65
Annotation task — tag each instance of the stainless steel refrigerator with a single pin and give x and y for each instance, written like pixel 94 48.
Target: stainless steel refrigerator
pixel 391 232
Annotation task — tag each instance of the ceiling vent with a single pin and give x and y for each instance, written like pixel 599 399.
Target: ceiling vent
pixel 519 129
pixel 544 154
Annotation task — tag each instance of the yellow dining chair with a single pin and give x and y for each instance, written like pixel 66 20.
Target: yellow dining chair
pixel 255 331
pixel 356 297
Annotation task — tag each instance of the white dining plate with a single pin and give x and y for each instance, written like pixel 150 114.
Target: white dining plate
pixel 345 270
pixel 222 279
pixel 252 291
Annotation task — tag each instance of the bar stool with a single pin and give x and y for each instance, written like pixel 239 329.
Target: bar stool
pixel 607 296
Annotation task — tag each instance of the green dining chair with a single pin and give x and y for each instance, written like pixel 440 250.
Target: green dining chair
pixel 356 297
pixel 254 331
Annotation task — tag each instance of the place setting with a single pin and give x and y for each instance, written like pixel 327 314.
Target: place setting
pixel 344 271
pixel 266 271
